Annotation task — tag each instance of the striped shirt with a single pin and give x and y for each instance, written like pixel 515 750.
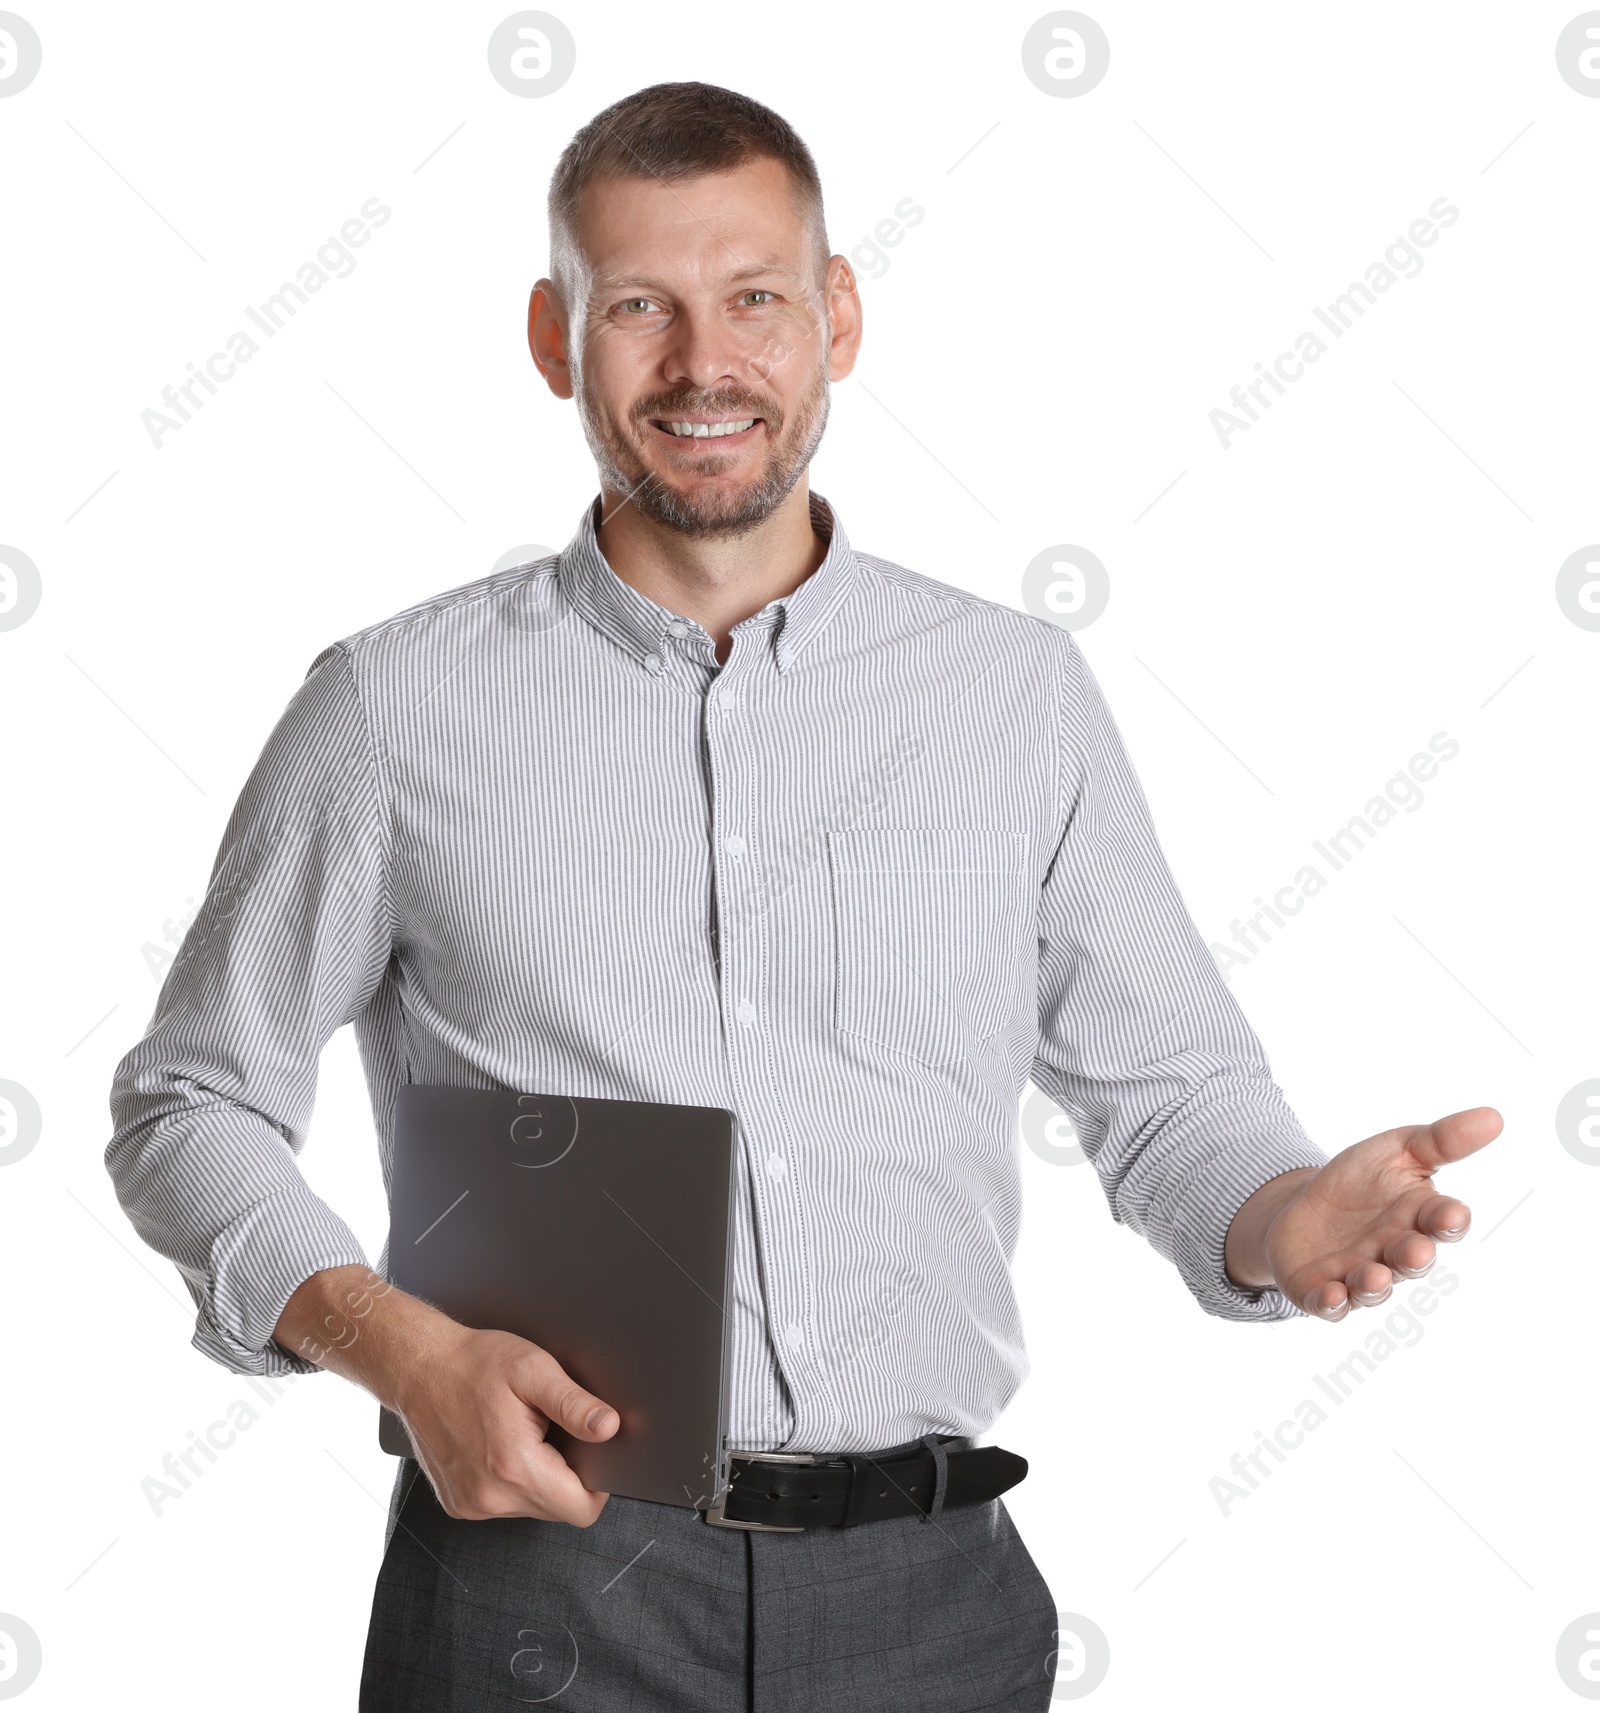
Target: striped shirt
pixel 856 885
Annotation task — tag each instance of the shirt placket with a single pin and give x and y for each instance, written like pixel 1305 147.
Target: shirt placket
pixel 739 821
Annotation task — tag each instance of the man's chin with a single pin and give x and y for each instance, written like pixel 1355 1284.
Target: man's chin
pixel 705 502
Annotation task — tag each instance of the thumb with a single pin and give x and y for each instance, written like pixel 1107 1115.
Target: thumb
pixel 1453 1137
pixel 545 1384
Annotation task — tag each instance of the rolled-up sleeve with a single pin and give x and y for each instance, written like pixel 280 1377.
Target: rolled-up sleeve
pixel 212 1107
pixel 1141 1042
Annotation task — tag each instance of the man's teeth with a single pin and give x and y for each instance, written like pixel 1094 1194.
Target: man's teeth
pixel 710 430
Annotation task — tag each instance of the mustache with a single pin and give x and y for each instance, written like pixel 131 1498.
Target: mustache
pixel 679 405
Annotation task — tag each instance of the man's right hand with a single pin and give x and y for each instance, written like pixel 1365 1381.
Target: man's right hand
pixel 477 1414
pixel 476 1404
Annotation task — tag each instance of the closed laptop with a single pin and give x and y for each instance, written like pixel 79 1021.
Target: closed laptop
pixel 598 1229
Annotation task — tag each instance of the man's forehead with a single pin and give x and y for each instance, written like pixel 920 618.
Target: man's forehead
pixel 722 226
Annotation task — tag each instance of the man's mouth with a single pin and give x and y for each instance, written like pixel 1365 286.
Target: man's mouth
pixel 720 429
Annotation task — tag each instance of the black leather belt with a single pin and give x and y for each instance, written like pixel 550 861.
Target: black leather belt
pixel 792 1491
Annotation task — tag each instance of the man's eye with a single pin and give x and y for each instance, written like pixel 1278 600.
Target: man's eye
pixel 628 303
pixel 758 291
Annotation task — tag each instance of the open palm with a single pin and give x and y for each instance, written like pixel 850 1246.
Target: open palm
pixel 1372 1214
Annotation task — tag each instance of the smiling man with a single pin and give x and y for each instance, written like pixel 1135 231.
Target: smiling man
pixel 715 808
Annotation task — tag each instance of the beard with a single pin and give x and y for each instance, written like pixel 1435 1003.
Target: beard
pixel 709 510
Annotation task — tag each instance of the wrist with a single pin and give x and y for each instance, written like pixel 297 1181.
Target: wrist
pixel 418 1339
pixel 1245 1249
pixel 355 1323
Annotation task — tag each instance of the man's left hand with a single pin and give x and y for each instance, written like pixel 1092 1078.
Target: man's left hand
pixel 1337 1237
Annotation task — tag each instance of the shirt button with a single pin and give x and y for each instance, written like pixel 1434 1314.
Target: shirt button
pixel 777 1165
pixel 795 1334
pixel 677 628
pixel 652 663
pixel 735 845
pixel 728 702
pixel 746 1012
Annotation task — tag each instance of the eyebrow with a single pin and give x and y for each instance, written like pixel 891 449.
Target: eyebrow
pixel 771 265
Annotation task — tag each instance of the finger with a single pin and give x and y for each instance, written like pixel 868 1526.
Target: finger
pixel 541 1381
pixel 1369 1284
pixel 524 1480
pixel 1409 1256
pixel 557 1494
pixel 582 1509
pixel 1328 1301
pixel 593 1516
pixel 1445 1218
pixel 1453 1137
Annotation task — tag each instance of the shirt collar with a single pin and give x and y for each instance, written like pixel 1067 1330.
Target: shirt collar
pixel 645 628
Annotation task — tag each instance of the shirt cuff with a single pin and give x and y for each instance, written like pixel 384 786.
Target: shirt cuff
pixel 1206 1210
pixel 257 1263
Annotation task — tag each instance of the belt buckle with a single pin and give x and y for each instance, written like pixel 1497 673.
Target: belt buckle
pixel 715 1513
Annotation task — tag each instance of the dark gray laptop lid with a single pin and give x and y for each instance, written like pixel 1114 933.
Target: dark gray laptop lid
pixel 599 1229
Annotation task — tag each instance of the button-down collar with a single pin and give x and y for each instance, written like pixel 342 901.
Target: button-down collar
pixel 647 630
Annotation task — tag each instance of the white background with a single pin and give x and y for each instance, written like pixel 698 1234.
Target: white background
pixel 1370 564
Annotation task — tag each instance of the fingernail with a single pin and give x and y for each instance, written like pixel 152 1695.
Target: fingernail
pixel 597 1417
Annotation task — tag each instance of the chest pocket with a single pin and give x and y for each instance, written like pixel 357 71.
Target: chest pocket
pixel 930 926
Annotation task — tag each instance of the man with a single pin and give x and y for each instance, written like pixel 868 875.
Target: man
pixel 714 808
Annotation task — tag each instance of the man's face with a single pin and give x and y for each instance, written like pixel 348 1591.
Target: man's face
pixel 704 313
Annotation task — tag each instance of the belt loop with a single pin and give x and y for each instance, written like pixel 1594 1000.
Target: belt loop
pixel 941 1471
pixel 861 1474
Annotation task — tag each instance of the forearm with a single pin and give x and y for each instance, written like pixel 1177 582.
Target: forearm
pixel 354 1323
pixel 1244 1252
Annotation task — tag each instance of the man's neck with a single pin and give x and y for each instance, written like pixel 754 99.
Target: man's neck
pixel 715 581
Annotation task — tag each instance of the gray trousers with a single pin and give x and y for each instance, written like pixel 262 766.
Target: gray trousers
pixel 653 1610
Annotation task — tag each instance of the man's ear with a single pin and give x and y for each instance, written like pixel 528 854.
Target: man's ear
pixel 547 338
pixel 844 306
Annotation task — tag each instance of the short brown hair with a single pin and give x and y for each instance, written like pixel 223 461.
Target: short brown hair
pixel 674 131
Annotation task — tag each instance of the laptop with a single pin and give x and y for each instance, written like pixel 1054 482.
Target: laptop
pixel 598 1229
